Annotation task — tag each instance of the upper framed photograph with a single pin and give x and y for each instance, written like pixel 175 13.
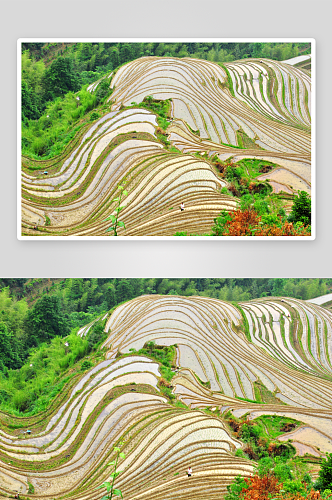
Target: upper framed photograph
pixel 166 138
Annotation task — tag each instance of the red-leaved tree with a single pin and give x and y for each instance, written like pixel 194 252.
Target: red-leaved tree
pixel 249 223
pixel 267 487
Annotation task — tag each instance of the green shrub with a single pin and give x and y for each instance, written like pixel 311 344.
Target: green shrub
pixel 325 473
pixel 21 400
pixel 86 365
pixel 31 489
pixel 301 210
pixel 30 389
pixel 282 470
pixel 235 488
pixel 4 395
pixel 94 116
pixel 103 90
pixel 96 336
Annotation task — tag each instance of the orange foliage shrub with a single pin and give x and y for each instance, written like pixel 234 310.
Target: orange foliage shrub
pixel 261 488
pixel 250 452
pixel 161 131
pixel 164 383
pixel 248 223
pixel 233 189
pixel 222 167
pixel 242 222
pixel 266 487
pixel 234 424
pixel 287 229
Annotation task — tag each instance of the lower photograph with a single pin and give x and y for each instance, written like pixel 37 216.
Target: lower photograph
pixel 160 388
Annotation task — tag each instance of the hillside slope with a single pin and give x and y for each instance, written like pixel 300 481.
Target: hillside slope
pixel 270 356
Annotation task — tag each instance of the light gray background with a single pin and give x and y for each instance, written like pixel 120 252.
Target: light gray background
pixel 167 18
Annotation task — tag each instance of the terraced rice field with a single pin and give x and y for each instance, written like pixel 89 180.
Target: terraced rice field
pixel 301 62
pixel 262 111
pixel 68 456
pixel 269 356
pixel 123 145
pixel 271 104
pixel 289 353
pixel 290 344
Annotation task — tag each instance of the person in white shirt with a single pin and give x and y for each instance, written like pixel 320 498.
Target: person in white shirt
pixel 182 207
pixel 190 471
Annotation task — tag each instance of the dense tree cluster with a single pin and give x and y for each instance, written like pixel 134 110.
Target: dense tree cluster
pixel 45 321
pixel 95 56
pixel 324 481
pixel 301 210
pixel 59 78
